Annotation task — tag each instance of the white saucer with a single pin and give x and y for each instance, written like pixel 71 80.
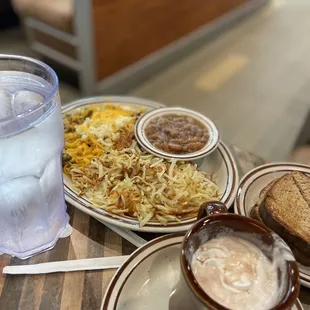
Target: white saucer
pixel 251 185
pixel 147 278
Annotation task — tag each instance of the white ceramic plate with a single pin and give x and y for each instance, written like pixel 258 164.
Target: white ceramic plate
pixel 147 278
pixel 250 187
pixel 220 162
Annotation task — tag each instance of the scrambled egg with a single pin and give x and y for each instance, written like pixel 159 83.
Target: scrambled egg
pixel 91 131
pixel 106 121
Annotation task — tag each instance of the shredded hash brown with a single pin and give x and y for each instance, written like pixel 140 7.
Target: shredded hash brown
pixel 107 167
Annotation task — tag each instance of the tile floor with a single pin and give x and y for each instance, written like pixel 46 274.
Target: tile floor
pixel 253 80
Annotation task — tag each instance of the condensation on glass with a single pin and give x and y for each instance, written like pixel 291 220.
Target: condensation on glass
pixel 32 206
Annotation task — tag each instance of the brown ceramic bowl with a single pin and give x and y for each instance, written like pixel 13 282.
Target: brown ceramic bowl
pixel 214 219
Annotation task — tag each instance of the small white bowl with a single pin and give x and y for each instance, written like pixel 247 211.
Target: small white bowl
pixel 143 121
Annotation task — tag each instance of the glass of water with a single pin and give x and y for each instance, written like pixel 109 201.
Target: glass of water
pixel 32 206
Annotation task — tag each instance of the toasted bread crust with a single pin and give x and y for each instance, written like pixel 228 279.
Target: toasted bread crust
pixel 265 190
pixel 255 210
pixel 287 205
pixel 300 247
pixel 303 183
pixel 286 210
pixel 255 213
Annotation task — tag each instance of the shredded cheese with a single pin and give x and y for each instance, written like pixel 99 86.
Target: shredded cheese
pixel 107 167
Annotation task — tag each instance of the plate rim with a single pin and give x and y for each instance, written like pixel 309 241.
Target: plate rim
pixel 257 172
pixel 70 196
pixel 125 99
pixel 135 256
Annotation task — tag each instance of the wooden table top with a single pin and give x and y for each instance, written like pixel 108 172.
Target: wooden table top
pixel 83 290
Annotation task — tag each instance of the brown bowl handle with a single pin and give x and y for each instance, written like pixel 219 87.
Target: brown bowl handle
pixel 210 208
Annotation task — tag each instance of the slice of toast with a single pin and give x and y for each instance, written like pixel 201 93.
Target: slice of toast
pixel 286 210
pixel 303 183
pixel 255 210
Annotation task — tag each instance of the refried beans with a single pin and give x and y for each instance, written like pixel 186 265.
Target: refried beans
pixel 177 134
